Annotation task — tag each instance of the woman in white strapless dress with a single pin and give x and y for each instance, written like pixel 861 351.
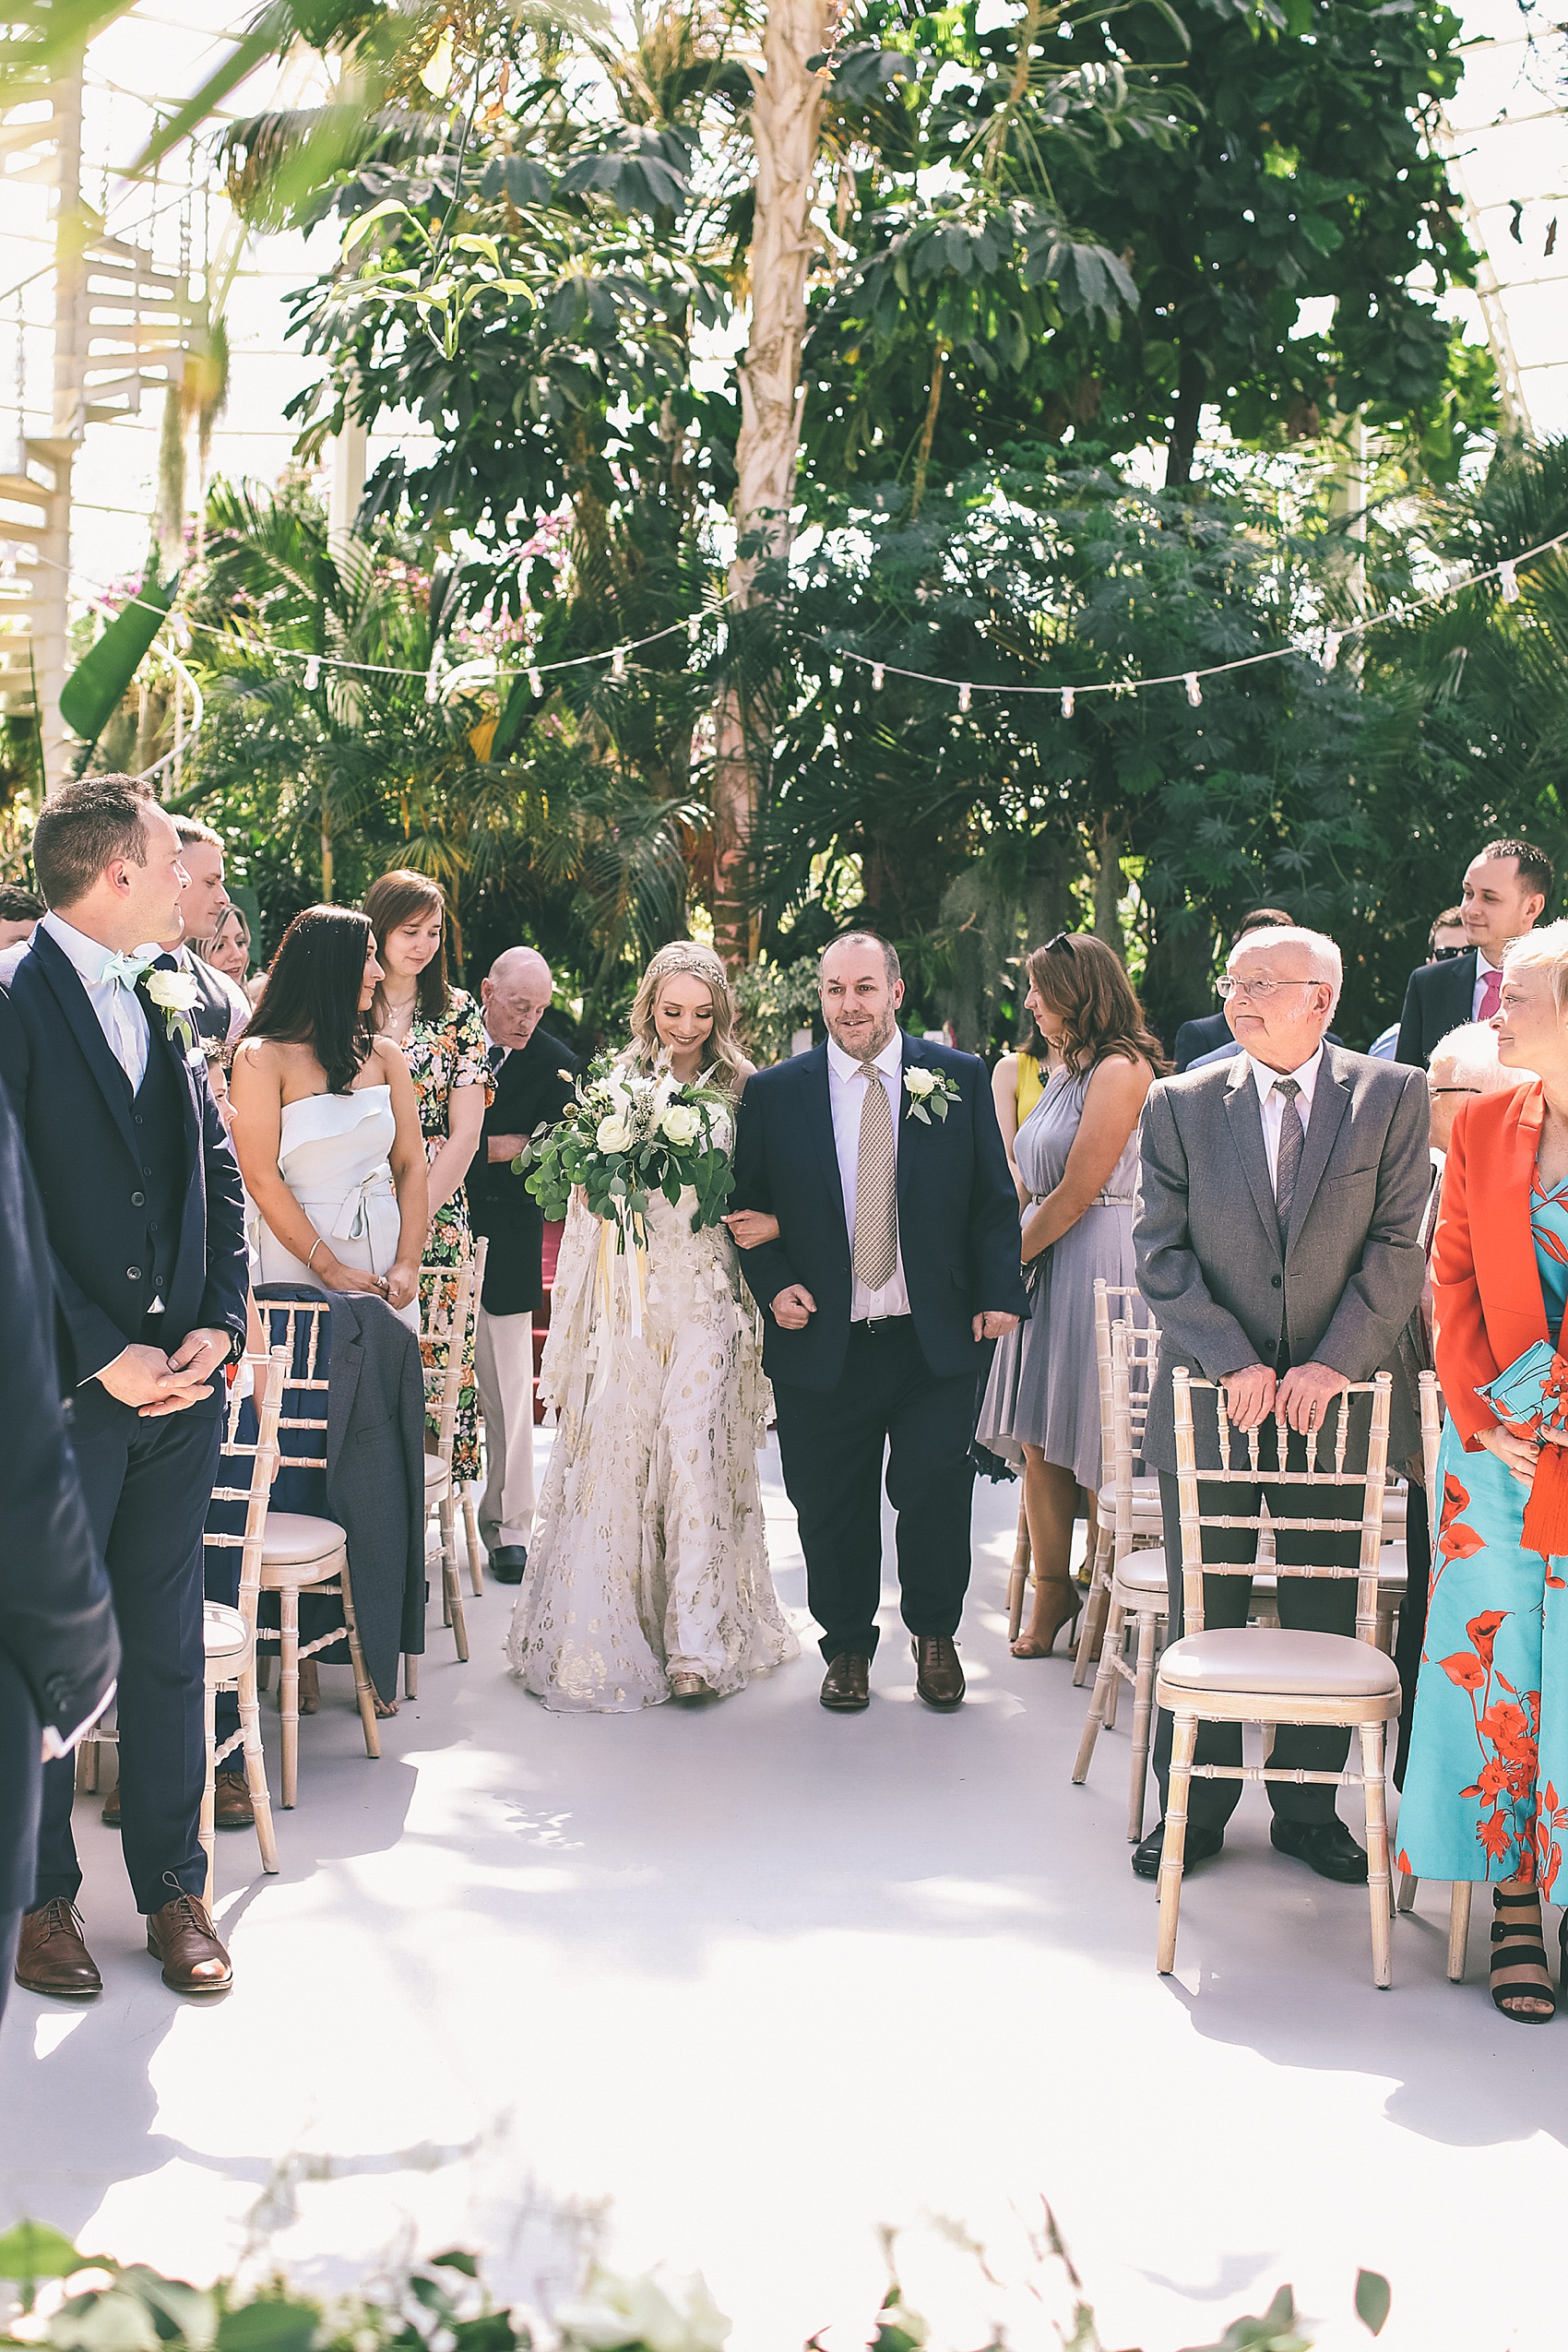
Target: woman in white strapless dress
pixel 647 1577
pixel 326 1125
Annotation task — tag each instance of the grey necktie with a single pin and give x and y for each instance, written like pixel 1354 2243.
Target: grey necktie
pixel 1289 1163
pixel 876 1251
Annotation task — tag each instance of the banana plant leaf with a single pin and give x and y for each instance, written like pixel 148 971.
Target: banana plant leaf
pixel 97 685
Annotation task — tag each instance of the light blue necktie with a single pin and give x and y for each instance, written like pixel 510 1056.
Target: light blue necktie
pixel 124 970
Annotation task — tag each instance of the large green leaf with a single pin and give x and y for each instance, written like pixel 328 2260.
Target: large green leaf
pixel 31 2249
pixel 97 685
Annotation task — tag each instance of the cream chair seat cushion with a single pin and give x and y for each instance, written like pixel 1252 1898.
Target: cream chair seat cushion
pixel 296 1541
pixel 436 1477
pixel 1141 1579
pixel 1280 1665
pixel 225 1634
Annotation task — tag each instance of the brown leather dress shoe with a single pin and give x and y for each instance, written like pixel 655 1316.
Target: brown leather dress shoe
pixel 846 1686
pixel 231 1807
pixel 111 1808
pixel 52 1957
pixel 939 1678
pixel 180 1935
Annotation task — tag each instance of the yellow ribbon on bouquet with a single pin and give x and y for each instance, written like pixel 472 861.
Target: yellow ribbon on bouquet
pixel 627 1287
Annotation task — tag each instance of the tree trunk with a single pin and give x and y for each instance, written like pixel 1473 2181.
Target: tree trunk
pixel 787 104
pixel 1107 886
pixel 1185 418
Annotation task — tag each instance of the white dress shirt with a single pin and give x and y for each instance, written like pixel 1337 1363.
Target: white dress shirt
pixel 1272 1105
pixel 1484 970
pixel 847 1094
pixel 119 1010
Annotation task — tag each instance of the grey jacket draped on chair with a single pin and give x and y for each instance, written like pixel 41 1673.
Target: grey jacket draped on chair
pixel 375 1469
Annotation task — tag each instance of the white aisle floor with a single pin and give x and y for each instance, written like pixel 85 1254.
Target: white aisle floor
pixel 737 1987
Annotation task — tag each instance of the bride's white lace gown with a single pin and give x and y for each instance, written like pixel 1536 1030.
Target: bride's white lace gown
pixel 649 1556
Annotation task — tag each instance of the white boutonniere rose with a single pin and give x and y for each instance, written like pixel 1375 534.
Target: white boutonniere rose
pixel 930 1092
pixel 176 996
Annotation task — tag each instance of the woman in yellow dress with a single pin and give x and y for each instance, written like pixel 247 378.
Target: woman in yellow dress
pixel 1016 1084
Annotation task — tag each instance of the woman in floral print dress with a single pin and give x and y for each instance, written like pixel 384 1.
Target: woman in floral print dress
pixel 441 1034
pixel 1486 1786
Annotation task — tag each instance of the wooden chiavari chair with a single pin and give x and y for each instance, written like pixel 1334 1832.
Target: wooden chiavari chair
pixel 1139 1599
pixel 301 1552
pixel 470 1515
pixel 1122 1518
pixel 1256 1674
pixel 230 1634
pixel 1459 1888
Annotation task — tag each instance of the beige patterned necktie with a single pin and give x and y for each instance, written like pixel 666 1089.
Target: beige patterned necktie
pixel 876 1188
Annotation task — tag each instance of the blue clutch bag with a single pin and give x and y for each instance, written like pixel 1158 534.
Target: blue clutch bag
pixel 1532 1393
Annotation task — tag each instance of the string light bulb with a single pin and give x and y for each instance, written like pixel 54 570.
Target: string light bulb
pixel 877 676
pixel 431 684
pixel 965 697
pixel 618 662
pixel 1195 692
pixel 693 631
pixel 182 633
pixel 536 685
pixel 313 673
pixel 1508 581
pixel 1331 646
pixel 1069 702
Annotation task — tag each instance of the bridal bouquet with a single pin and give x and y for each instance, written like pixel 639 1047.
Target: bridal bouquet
pixel 631 1133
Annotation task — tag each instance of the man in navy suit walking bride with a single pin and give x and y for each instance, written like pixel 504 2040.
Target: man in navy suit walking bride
pixel 144 1219
pixel 896 1265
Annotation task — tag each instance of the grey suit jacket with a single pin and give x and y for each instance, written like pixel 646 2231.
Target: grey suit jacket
pixel 1223 1289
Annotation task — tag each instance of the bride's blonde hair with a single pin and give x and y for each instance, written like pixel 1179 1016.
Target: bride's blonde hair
pixel 689 956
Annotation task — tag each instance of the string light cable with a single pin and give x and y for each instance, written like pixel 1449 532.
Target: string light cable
pixel 1506 573
pixel 617 659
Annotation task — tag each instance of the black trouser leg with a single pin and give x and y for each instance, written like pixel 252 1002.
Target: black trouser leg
pixel 830 1441
pixel 931 1481
pixel 1306 1604
pixel 10 1928
pixel 148 1484
pixel 20 1775
pixel 1210 1803
pixel 1312 1605
pixel 1410 1639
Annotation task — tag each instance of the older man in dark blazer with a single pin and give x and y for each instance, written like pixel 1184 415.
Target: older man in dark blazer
pixel 145 1218
pixel 534 1078
pixel 1280 1197
pixel 58 1646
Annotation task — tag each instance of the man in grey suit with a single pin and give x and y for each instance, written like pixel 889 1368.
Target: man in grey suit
pixel 1278 1211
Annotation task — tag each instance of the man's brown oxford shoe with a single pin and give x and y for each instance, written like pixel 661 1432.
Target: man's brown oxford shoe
pixel 182 1937
pixel 846 1686
pixel 939 1678
pixel 231 1807
pixel 52 1957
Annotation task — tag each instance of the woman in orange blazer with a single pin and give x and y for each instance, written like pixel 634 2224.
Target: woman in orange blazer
pixel 1486 1786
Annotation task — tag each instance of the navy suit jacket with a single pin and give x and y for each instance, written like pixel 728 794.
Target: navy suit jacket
pixel 1438 998
pixel 59 1650
pixel 70 1100
pixel 957 1215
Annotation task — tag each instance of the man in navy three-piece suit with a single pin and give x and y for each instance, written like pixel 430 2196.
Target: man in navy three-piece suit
pixel 144 1216
pixel 894 1268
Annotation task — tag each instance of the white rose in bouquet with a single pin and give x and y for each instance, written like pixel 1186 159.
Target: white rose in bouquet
pixel 682 1125
pixel 613 1135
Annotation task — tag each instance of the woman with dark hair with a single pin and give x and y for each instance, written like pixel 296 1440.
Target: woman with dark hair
pixel 325 1123
pixel 1077 1156
pixel 440 1032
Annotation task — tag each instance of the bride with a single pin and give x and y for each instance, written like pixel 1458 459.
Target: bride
pixel 326 1125
pixel 647 1577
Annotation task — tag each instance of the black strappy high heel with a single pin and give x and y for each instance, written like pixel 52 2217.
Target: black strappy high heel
pixel 1517 1945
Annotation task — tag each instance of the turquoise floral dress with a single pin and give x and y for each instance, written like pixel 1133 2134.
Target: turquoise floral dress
pixel 442 1055
pixel 1486 1788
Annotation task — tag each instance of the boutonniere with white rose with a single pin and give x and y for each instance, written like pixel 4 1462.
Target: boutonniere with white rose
pixel 176 996
pixel 930 1092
